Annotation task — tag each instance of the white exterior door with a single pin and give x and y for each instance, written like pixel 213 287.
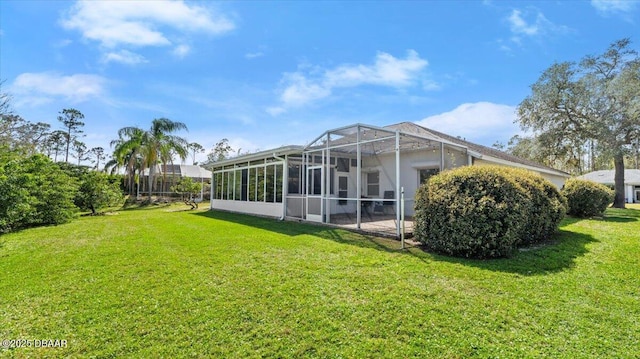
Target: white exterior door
pixel 314 192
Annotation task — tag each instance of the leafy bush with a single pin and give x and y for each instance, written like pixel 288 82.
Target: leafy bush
pixel 485 212
pixel 33 191
pixel 97 191
pixel 587 198
pixel 547 207
pixel 187 189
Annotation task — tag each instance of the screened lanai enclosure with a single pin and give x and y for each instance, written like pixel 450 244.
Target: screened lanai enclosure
pixel 360 177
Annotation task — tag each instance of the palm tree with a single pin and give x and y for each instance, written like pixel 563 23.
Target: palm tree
pixel 150 148
pixel 159 143
pixel 127 153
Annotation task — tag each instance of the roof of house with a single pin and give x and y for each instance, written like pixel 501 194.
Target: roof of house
pixel 410 127
pixel 181 170
pixel 631 177
pixel 280 151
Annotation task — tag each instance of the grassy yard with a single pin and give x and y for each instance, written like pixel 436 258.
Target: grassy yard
pixel 163 282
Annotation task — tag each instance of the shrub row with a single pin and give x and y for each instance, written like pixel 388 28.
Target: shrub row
pixel 34 191
pixel 486 212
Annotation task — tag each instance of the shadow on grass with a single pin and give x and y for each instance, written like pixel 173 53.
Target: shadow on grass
pixel 621 215
pixel 554 256
pixel 142 207
pixel 292 229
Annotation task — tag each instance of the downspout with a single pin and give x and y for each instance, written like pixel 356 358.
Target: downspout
pixel 358 180
pixel 285 181
pixel 212 189
pixel 398 185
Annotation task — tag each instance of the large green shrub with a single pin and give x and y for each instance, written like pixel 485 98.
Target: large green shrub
pixel 485 212
pixel 97 192
pixel 33 191
pixel 587 198
pixel 547 207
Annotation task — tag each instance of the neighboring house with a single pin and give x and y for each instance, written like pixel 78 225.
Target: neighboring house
pixel 350 175
pixel 631 182
pixel 167 176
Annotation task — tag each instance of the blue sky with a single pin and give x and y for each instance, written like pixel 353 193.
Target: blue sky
pixel 265 74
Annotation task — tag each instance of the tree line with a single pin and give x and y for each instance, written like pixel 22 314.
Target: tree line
pixel 44 179
pixel 137 152
pixel 584 116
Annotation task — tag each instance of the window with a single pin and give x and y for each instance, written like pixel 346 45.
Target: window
pixel 373 183
pixel 343 190
pixel 316 181
pixel 294 178
pixel 216 186
pixel 278 183
pixel 252 184
pixel 343 164
pixel 426 173
pixel 245 180
pixel 332 181
pixel 229 186
pixel 260 185
pixel 270 193
pixel 237 190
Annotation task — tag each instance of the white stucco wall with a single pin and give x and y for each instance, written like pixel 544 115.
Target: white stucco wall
pixel 629 193
pixel 258 208
pixel 555 179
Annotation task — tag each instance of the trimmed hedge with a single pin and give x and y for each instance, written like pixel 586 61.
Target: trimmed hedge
pixel 587 198
pixel 486 212
pixel 548 206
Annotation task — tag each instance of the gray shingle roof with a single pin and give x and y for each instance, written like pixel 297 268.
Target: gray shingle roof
pixel 410 127
pixel 181 170
pixel 631 177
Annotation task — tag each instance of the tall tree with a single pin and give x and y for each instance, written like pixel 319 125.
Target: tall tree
pixel 5 101
pixel 98 154
pixel 220 151
pixel 55 143
pixel 127 153
pixel 70 119
pixel 80 151
pixel 157 145
pixel 195 148
pixel 18 133
pixel 597 99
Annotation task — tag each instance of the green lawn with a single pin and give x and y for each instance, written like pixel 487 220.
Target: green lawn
pixel 163 282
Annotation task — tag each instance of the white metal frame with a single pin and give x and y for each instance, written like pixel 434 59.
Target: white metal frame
pixel 311 197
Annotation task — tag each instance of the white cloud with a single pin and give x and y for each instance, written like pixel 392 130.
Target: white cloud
pixel 276 110
pixel 387 71
pixel 41 87
pixel 124 57
pixel 519 25
pixel 481 122
pixel 301 88
pixel 142 23
pixel 531 24
pixel 181 50
pixel 615 7
pixel 253 55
